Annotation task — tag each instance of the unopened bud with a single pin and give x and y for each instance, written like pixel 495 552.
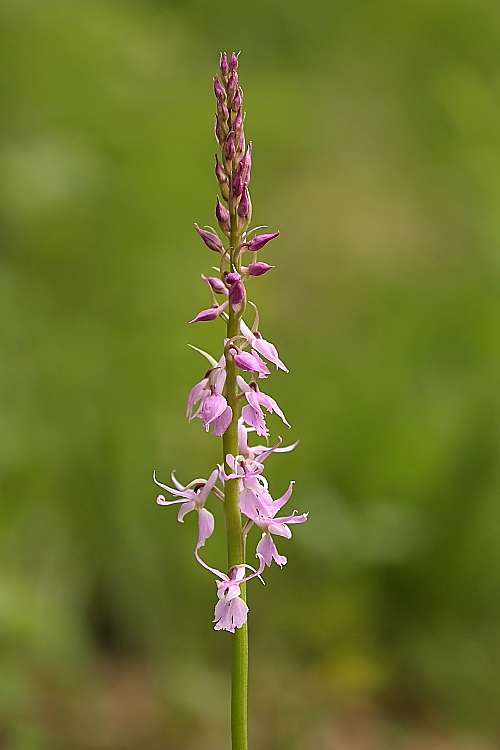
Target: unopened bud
pixel 210 314
pixel 237 125
pixel 222 112
pixel 219 133
pixel 246 164
pixel 220 172
pixel 218 90
pixel 215 283
pixel 259 241
pixel 244 211
pixel 232 86
pixel 258 268
pixel 223 217
pixel 229 147
pixel 237 101
pixel 240 151
pixel 210 239
pixel 224 67
pixel 244 204
pixel 233 61
pixel 237 183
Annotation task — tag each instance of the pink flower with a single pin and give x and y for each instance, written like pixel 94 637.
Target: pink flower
pixel 230 611
pixel 250 362
pixel 213 406
pixel 266 548
pixel 262 346
pixel 252 413
pixel 260 451
pixel 236 289
pixel 254 497
pixel 213 410
pixel 193 497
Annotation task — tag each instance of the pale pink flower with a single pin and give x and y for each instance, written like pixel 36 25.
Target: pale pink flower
pixel 266 548
pixel 213 409
pixel 252 413
pixel 213 406
pixel 193 497
pixel 231 611
pixel 251 363
pixel 254 497
pixel 262 346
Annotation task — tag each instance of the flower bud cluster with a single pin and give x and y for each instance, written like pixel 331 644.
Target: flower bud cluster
pixel 244 360
pixel 233 169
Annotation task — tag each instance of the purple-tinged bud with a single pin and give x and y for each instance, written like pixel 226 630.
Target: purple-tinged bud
pixel 210 239
pixel 241 146
pixel 232 86
pixel 216 284
pixel 209 314
pixel 224 67
pixel 245 164
pixel 257 269
pixel 223 217
pixel 220 172
pixel 237 101
pixel 229 147
pixel 222 112
pixel 244 204
pixel 237 183
pixel 259 241
pixel 219 133
pixel 233 61
pixel 218 90
pixel 237 125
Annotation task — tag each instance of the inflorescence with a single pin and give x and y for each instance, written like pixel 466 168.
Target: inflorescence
pixel 243 359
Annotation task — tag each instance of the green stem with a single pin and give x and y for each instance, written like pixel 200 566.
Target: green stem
pixel 235 539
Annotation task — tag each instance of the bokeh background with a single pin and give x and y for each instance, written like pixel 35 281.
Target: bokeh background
pixel 377 154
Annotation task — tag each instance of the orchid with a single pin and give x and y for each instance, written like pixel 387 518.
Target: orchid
pixel 228 400
pixel 193 496
pixel 261 346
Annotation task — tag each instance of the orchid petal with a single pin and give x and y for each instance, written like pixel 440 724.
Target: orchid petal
pixel 161 501
pixel 267 550
pixel 185 508
pixel 207 488
pixel 222 422
pixel 206 523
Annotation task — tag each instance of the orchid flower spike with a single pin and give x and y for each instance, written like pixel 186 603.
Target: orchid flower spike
pixel 227 399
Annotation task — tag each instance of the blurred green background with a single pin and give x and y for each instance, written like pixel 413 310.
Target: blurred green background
pixel 377 154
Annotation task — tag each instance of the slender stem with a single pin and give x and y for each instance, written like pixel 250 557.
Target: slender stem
pixel 235 537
